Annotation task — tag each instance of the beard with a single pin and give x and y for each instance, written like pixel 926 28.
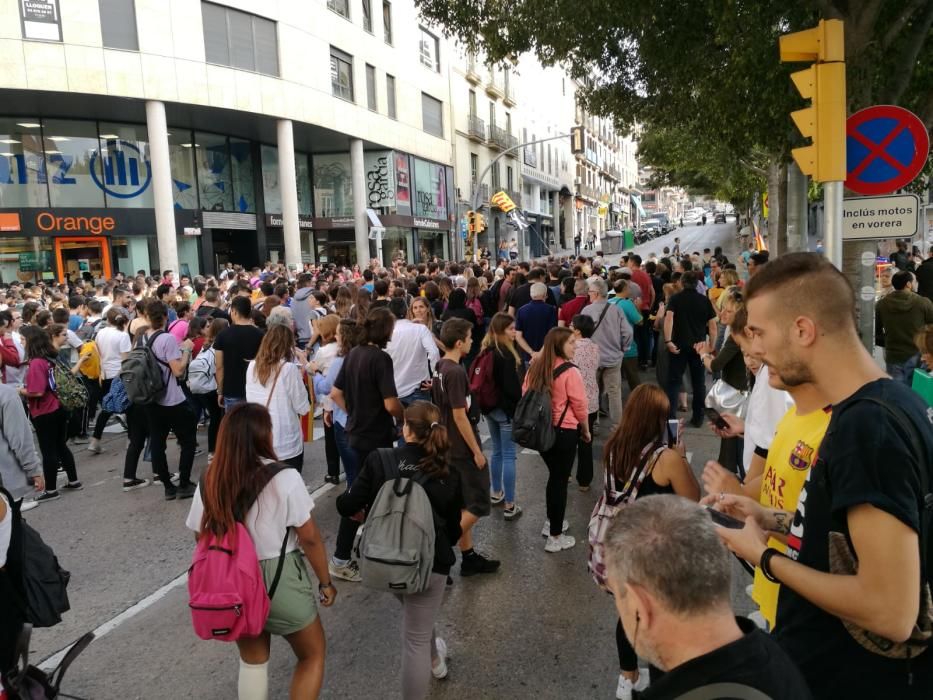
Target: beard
pixel 791 372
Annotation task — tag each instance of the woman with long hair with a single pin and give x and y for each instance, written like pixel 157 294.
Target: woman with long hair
pixel 421 312
pixel 553 371
pixel 638 453
pixel 274 380
pixel 506 371
pixel 208 401
pixel 326 330
pixel 113 343
pixel 422 457
pixel 244 484
pixel 48 416
pixel 343 301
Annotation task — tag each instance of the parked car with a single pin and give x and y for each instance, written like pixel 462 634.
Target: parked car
pixel 720 217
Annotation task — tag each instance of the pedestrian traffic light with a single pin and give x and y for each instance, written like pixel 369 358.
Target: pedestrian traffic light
pixel 577 140
pixel 824 84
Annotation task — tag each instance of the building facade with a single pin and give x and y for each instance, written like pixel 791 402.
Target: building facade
pixel 149 135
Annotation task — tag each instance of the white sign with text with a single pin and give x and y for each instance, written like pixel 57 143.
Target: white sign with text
pixel 888 216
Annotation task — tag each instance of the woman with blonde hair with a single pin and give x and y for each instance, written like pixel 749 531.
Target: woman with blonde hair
pixel 326 330
pixel 274 381
pixel 506 373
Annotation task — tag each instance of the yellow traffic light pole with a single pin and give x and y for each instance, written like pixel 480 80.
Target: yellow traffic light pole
pixel 824 121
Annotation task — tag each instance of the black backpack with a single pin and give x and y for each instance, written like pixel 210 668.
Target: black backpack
pixel 37 580
pixel 490 299
pixel 531 425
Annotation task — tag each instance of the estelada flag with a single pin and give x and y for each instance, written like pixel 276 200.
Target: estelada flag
pixel 307 421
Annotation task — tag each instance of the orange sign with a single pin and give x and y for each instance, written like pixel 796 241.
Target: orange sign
pixel 9 222
pixel 96 225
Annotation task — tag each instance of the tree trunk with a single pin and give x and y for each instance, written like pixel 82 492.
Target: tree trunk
pixel 783 246
pixel 774 206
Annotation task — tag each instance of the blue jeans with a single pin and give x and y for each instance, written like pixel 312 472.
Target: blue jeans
pixel 231 401
pixel 502 464
pixel 902 371
pixel 351 465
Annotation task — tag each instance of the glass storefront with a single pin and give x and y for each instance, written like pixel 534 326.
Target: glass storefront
pixel 241 161
pixel 25 259
pixel 397 246
pixel 333 185
pixel 215 182
pixel 22 164
pixel 272 194
pixel 430 189
pixel 135 253
pixel 124 157
pixel 181 160
pixel 433 244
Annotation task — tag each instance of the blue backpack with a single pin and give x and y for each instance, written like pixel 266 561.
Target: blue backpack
pixel 116 400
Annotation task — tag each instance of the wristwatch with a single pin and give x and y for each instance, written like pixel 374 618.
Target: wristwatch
pixel 764 563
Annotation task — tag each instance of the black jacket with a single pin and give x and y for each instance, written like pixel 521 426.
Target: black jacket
pixel 507 377
pixel 731 363
pixel 925 279
pixel 444 495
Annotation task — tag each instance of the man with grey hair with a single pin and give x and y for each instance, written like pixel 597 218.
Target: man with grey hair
pixel 670 577
pixel 613 334
pixel 534 320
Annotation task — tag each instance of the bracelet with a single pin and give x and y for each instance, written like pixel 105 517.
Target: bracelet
pixel 322 586
pixel 765 563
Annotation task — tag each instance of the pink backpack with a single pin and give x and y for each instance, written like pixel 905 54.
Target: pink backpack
pixel 226 592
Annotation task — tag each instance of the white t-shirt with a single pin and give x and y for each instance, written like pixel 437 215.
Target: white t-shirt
pixel 289 401
pixel 766 407
pixel 6 531
pixel 325 358
pixel 111 343
pixel 283 503
pixel 413 352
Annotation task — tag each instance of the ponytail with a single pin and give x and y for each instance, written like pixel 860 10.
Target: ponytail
pixel 422 417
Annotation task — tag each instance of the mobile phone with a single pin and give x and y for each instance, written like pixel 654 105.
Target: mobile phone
pixel 723 520
pixel 673 430
pixel 716 419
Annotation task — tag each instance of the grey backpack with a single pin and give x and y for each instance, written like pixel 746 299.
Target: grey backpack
pixel 141 372
pixel 397 546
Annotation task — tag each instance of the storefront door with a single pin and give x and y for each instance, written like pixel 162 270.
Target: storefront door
pixel 75 256
pixel 237 247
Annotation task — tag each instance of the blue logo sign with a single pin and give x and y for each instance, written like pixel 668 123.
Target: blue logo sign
pixel 121 170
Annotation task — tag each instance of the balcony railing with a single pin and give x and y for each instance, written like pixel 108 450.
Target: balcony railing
pixel 498 137
pixel 494 85
pixel 476 128
pixel 511 143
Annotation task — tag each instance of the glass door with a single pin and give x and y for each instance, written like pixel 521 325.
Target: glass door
pixel 78 258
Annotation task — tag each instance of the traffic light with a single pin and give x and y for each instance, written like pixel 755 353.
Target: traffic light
pixel 480 221
pixel 577 140
pixel 824 84
pixel 471 221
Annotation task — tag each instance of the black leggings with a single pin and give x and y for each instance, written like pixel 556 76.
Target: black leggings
pixel 181 420
pixel 585 456
pixel 559 461
pixel 137 427
pixel 330 451
pixel 628 659
pixel 52 432
pixel 103 416
pixel 215 414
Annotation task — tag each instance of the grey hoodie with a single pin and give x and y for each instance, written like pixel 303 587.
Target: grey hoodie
pixel 18 459
pixel 301 312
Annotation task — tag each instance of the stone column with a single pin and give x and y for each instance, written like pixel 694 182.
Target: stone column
pixel 288 185
pixel 360 220
pixel 163 200
pixel 555 213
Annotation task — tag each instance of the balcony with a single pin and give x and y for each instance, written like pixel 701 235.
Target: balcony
pixel 614 173
pixel 484 193
pixel 498 137
pixel 494 85
pixel 512 142
pixel 509 94
pixel 530 157
pixel 472 72
pixel 476 128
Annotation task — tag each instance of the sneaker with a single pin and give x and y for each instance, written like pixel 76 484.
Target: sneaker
pixel 28 505
pixel 584 489
pixel 624 689
pixel 80 439
pixel 186 491
pixel 335 480
pixel 94 446
pixel 496 498
pixel 134 484
pixel 198 451
pixel 48 496
pixel 345 572
pixel 546 530
pixel 555 544
pixel 73 486
pixel 171 493
pixel 512 513
pixel 439 665
pixel 476 563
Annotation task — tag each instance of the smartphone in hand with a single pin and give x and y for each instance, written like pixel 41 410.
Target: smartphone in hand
pixel 716 419
pixel 723 520
pixel 673 432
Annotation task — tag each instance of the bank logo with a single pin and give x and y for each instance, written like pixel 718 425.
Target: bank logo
pixel 123 168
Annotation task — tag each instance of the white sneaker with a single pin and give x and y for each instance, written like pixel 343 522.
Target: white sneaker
pixel 94 446
pixel 624 689
pixel 345 572
pixel 555 544
pixel 28 505
pixel 440 670
pixel 546 530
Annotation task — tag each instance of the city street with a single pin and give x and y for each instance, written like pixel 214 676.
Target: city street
pixel 538 628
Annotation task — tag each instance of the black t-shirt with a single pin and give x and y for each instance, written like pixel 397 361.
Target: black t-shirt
pixel 366 379
pixel 865 457
pixel 239 344
pixel 692 312
pixel 211 312
pixel 519 296
pixel 754 660
pixel 449 390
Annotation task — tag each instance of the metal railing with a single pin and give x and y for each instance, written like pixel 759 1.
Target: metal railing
pixel 476 128
pixel 498 137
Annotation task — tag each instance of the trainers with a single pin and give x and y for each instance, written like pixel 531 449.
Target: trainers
pixel 439 665
pixel 512 513
pixel 94 446
pixel 186 491
pixel 476 563
pixel 80 439
pixel 48 496
pixel 134 484
pixel 156 479
pixel 198 451
pixel 555 544
pixel 73 486
pixel 329 479
pixel 496 498
pixel 546 530
pixel 28 505
pixel 345 572
pixel 625 687
pixel 171 493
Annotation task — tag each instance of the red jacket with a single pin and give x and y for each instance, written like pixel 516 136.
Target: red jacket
pixel 9 356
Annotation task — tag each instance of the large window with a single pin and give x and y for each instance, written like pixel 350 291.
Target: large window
pixel 181 163
pixel 390 96
pixel 125 159
pixel 118 24
pixel 429 48
pixel 430 189
pixel 432 115
pixel 474 168
pixel 371 88
pixel 387 21
pixel 215 181
pixel 341 74
pixel 72 163
pixel 368 15
pixel 23 179
pixel 341 7
pixel 272 193
pixel 239 39
pixel 333 185
pixel 241 163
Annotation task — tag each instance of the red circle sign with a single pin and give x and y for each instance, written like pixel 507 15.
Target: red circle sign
pixel 886 148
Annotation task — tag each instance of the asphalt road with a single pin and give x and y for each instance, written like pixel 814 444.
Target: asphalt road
pixel 538 628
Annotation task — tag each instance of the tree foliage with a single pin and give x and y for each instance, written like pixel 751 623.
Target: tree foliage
pixel 701 77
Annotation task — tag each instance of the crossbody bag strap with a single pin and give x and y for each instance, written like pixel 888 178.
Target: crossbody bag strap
pixel 279 566
pixel 631 489
pixel 602 315
pixel 557 372
pixel 274 382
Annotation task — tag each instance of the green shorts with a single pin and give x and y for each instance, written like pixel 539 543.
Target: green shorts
pixel 294 605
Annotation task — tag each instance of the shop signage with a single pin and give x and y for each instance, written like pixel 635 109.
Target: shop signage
pixel 91 222
pixel 276 221
pixel 380 180
pixel 31 262
pixel 427 223
pixel 329 223
pixel 9 222
pixel 191 231
pixel 41 19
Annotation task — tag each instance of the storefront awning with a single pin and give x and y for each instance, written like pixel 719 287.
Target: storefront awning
pixel 637 202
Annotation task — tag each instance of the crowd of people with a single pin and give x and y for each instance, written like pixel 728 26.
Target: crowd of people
pixel 413 358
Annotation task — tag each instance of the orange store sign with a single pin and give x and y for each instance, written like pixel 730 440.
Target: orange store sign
pixel 50 223
pixel 9 222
